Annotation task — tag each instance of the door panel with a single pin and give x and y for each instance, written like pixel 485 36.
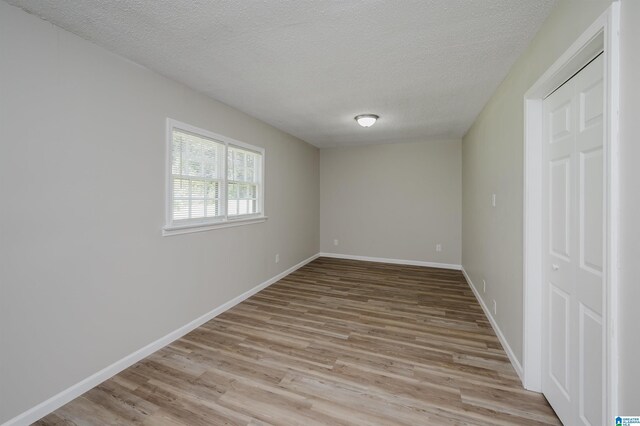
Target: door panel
pixel 591 104
pixel 560 209
pixel 559 339
pixel 591 220
pixel 573 361
pixel 590 364
pixel 561 122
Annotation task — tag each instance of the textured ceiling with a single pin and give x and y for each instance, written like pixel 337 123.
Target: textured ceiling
pixel 427 67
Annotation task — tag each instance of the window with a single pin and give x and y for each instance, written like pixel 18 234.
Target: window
pixel 242 176
pixel 213 180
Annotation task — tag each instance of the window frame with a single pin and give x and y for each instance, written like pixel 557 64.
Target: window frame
pixel 224 220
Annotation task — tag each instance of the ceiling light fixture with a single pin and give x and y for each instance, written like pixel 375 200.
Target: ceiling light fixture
pixel 366 120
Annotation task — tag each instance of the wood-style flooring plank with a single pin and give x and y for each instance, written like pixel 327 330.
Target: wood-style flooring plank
pixel 338 342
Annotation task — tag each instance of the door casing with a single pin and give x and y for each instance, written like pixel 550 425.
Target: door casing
pixel 602 35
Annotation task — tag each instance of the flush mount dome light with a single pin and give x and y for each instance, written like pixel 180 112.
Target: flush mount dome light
pixel 366 120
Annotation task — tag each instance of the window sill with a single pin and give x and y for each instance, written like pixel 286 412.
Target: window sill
pixel 201 227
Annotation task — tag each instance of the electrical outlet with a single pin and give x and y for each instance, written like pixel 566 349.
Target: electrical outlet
pixel 335 242
pixel 493 200
pixel 484 286
pixel 278 258
pixel 495 307
pixel 438 247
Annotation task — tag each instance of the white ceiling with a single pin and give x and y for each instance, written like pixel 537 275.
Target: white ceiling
pixel 427 67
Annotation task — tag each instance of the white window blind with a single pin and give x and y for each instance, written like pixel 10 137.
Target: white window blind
pixel 243 169
pixel 212 179
pixel 196 177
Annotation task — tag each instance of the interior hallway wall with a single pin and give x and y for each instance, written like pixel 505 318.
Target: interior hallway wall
pixel 492 163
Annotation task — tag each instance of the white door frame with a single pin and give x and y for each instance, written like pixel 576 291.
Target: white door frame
pixel 602 35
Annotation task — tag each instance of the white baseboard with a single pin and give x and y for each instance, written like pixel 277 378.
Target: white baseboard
pixel 395 261
pixel 512 357
pixel 94 380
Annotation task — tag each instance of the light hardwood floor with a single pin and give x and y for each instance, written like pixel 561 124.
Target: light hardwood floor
pixel 336 342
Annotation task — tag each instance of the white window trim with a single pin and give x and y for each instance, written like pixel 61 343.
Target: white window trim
pixel 225 221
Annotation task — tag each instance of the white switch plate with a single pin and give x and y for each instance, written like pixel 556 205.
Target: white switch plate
pixel 493 200
pixel 484 286
pixel 277 258
pixel 438 247
pixel 495 307
pixel 335 242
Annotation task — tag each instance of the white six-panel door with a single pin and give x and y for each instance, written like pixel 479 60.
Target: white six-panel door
pixel 573 361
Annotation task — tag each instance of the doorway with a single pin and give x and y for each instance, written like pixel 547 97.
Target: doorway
pixel 564 319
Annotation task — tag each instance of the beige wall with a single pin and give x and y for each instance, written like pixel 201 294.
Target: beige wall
pixel 85 275
pixel 492 153
pixel 392 201
pixel 630 207
pixel 492 162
